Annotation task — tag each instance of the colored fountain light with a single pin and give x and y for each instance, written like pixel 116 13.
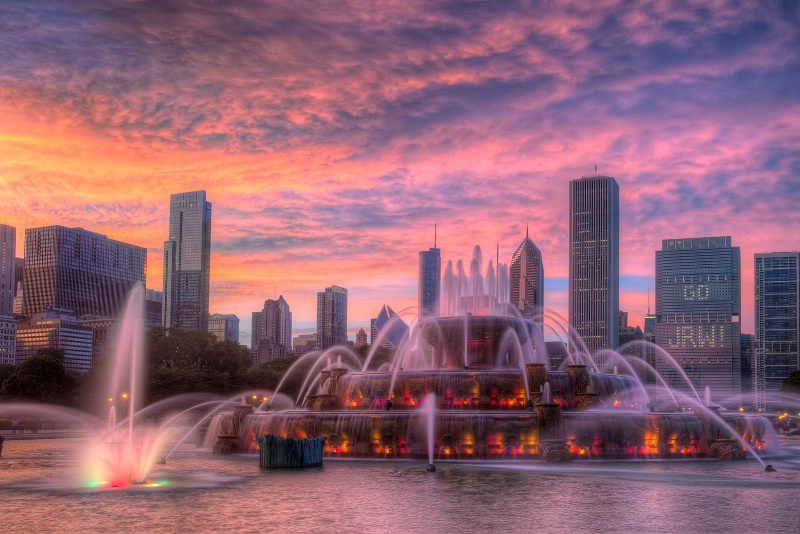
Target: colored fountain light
pixel 478 383
pixel 135 438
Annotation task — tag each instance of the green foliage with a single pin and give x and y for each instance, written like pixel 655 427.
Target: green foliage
pixel 42 378
pixel 6 371
pixel 193 361
pixel 792 382
pixel 382 355
pixel 269 374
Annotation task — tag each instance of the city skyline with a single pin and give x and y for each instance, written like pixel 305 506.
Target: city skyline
pixel 330 144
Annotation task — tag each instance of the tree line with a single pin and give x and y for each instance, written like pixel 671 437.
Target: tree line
pixel 177 361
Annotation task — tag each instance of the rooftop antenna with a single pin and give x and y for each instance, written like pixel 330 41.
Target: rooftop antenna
pixel 595 170
pixel 648 300
pixel 497 261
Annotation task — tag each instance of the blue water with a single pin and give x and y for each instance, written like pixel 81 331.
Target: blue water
pixel 210 493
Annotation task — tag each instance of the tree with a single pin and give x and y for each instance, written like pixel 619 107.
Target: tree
pixel 792 382
pixel 193 361
pixel 382 355
pixel 269 374
pixel 42 378
pixel 6 371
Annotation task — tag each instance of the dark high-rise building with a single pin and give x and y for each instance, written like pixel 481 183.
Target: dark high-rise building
pixel 361 338
pixel 256 324
pixel 594 261
pixel 274 338
pixel 77 272
pixel 698 306
pixel 19 270
pixel 153 302
pixel 777 314
pixel 8 340
pixel 331 317
pixel 430 280
pixel 187 262
pixel 649 319
pixel 8 246
pixel 526 279
pixel 387 328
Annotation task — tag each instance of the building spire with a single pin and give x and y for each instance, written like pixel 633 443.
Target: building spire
pixel 648 300
pixel 526 231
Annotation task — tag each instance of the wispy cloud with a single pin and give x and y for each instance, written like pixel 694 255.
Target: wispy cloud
pixel 330 138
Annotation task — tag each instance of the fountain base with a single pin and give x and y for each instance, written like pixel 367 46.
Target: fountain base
pixel 555 451
pixel 727 449
pixel 226 444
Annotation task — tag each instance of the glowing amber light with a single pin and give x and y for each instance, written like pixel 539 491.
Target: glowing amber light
pixel 124 396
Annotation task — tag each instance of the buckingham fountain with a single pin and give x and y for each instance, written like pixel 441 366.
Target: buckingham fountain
pixel 478 383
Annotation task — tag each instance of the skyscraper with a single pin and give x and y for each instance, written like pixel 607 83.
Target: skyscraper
pixel 526 279
pixel 594 261
pixel 698 306
pixel 8 246
pixel 77 272
pixel 54 330
pixel 187 261
pixel 361 338
pixel 430 279
pixel 331 317
pixel 389 324
pixel 256 324
pixel 274 339
pixel 777 314
pixel 224 326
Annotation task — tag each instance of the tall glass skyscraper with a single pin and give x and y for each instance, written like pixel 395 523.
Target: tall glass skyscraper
pixel 594 261
pixel 331 317
pixel 526 279
pixel 8 245
pixel 77 272
pixel 430 280
pixel 777 288
pixel 698 306
pixel 187 262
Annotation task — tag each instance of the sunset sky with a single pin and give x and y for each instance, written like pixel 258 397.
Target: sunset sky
pixel 331 136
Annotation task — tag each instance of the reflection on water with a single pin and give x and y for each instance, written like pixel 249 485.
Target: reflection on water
pixel 213 493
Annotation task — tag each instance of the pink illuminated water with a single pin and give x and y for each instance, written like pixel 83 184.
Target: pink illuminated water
pixel 231 494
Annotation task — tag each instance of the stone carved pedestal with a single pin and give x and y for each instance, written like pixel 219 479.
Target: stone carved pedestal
pixel 585 400
pixel 555 451
pixel 326 402
pixel 334 381
pixel 578 378
pixel 727 449
pixel 308 404
pixel 553 446
pixel 537 378
pixel 226 444
pixel 324 376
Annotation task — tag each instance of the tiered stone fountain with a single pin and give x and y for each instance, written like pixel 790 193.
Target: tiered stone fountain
pixel 491 404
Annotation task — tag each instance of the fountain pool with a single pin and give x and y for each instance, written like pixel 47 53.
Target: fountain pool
pixel 230 493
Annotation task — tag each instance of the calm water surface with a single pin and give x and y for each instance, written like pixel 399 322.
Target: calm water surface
pixel 38 492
